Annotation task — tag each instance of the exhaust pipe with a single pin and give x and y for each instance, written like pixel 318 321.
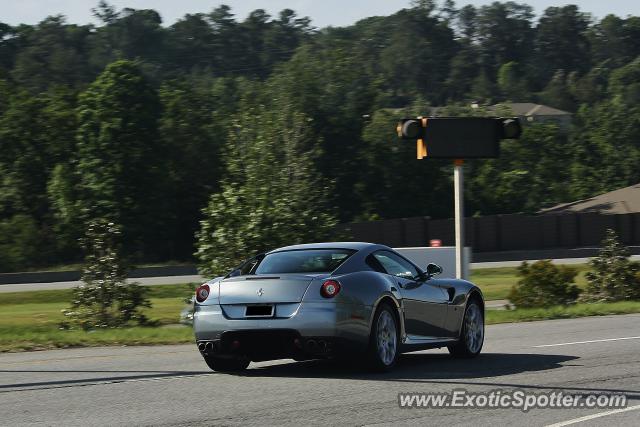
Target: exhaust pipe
pixel 208 346
pixel 201 346
pixel 322 346
pixel 312 346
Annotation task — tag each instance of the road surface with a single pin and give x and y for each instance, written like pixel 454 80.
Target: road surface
pixel 147 281
pixel 566 261
pixel 170 385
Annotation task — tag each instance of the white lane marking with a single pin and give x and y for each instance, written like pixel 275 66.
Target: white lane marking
pixel 594 416
pixel 587 342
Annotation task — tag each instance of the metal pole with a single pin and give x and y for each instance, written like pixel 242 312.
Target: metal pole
pixel 458 184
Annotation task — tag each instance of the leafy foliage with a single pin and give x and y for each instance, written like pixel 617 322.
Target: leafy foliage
pixel 141 122
pixel 273 196
pixel 117 153
pixel 544 284
pixel 105 300
pixel 613 277
pixel 19 243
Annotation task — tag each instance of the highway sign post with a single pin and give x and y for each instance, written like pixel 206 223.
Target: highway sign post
pixel 459 138
pixel 458 198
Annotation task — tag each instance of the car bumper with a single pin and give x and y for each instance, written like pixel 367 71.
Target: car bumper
pixel 313 329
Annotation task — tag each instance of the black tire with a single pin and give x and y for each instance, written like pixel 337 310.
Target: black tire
pixel 384 360
pixel 468 347
pixel 226 365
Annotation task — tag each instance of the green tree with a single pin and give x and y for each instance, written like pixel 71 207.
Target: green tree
pixel 624 84
pixel 467 22
pixel 613 277
pixel 609 40
pixel 505 34
pixel 416 58
pixel 104 299
pixel 20 243
pixel 36 132
pixel 604 148
pixel 193 128
pixel 561 42
pixel 530 174
pixel 392 182
pixel 128 34
pixel 510 82
pixel 118 163
pixel 190 43
pixel 336 100
pixel 557 93
pixel 272 195
pixel 543 284
pixel 51 53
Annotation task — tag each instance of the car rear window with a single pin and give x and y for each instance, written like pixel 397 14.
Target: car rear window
pixel 303 261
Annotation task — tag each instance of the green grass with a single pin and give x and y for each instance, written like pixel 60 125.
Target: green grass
pixel 30 320
pixel 561 312
pixel 21 338
pixel 497 282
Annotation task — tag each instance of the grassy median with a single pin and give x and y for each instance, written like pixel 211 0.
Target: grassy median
pixel 497 282
pixel 29 320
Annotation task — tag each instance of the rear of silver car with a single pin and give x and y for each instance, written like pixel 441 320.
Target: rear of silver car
pixel 271 316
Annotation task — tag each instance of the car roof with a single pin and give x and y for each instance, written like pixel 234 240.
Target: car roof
pixel 356 246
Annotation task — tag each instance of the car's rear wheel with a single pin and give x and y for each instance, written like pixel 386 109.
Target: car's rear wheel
pixel 226 365
pixel 384 339
pixel 472 334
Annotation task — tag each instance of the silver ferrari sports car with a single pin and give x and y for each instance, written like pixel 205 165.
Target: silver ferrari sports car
pixel 330 300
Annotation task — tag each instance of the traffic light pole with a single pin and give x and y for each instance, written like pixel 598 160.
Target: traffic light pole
pixel 458 184
pixel 459 138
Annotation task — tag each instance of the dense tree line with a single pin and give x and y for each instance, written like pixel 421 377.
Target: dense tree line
pixel 243 124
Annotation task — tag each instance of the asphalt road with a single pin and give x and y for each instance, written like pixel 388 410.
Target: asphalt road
pixel 170 385
pixel 564 261
pixel 147 281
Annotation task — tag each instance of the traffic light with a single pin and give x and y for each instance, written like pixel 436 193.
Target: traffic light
pixel 414 129
pixel 459 137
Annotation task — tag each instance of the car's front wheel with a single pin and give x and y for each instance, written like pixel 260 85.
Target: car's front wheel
pixel 384 339
pixel 226 365
pixel 472 334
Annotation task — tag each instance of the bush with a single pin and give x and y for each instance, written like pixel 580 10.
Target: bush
pixel 614 276
pixel 543 284
pixel 105 299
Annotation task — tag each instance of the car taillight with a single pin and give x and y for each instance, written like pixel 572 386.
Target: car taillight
pixel 202 293
pixel 330 288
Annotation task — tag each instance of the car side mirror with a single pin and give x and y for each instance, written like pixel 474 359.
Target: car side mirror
pixel 433 269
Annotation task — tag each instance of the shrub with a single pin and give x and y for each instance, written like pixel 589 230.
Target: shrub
pixel 614 277
pixel 104 299
pixel 543 284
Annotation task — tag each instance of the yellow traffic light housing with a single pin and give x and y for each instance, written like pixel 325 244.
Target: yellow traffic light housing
pixel 459 137
pixel 414 129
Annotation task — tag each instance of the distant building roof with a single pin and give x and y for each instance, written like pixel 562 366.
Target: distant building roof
pixel 622 201
pixel 527 109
